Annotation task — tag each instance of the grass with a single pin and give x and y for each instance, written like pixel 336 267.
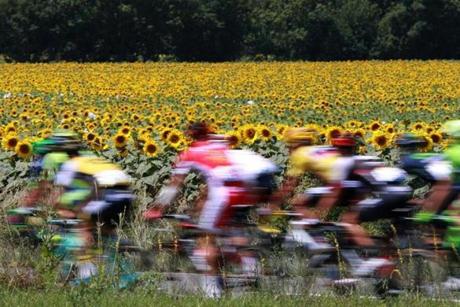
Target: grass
pixel 148 297
pixel 28 276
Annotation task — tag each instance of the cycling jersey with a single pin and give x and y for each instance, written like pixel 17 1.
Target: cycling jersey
pixel 453 155
pixel 323 161
pixel 104 172
pixel 101 187
pixel 51 163
pixel 205 157
pixel 428 166
pixel 249 166
pixel 222 168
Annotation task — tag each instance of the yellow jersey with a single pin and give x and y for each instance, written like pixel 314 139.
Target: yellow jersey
pixel 325 162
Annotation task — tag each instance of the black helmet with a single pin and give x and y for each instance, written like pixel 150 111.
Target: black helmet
pixel 64 140
pixel 408 140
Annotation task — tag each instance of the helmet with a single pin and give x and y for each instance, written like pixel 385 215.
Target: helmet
pixel 61 140
pixel 410 140
pixel 344 140
pixel 452 128
pixel 42 147
pixel 300 135
pixel 198 130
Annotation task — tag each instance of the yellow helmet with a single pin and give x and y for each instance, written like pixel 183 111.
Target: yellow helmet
pixel 300 136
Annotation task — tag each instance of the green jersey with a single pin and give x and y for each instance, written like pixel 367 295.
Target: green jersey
pixel 52 162
pixel 453 155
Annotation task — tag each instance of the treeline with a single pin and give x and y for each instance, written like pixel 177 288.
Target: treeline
pixel 218 30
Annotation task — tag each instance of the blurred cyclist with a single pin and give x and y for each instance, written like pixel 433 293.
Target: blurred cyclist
pixel 431 168
pixel 97 192
pixel 329 164
pixel 233 177
pixel 49 155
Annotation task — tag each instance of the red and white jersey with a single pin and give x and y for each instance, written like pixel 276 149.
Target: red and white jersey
pixel 207 157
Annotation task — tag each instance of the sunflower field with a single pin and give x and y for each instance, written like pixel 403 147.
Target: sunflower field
pixel 135 113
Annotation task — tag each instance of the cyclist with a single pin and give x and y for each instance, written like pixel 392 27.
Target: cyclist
pixel 49 154
pixel 448 209
pixel 233 177
pixel 98 193
pixel 334 166
pixel 329 164
pixel 431 168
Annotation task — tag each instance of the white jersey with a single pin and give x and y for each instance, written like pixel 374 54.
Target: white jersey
pixel 248 165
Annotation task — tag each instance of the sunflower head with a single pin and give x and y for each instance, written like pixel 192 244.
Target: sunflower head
pixel 165 133
pixel 390 129
pixel 380 140
pixel 23 149
pixel 418 126
pixel 359 133
pixel 10 142
pixel 175 139
pixel 374 126
pixel 233 138
pixel 120 140
pixel 126 130
pixel 248 134
pixel 264 133
pixel 90 137
pixel 10 129
pixel 436 137
pixel 151 149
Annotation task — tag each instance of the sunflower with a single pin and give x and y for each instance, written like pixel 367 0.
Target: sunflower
pixel 66 115
pixel 374 126
pixel 436 137
pixel 165 133
pixel 10 128
pixel 10 141
pixel 135 118
pixel 65 126
pixel 151 149
pixel 126 130
pixel 175 139
pixel 120 140
pixel 249 134
pixel 98 144
pixel 23 149
pixel 24 117
pixel 428 144
pixel 233 138
pixel 90 136
pixel 264 133
pixel 91 126
pixel 380 140
pixel 359 133
pixel 429 129
pixel 418 126
pixel 390 129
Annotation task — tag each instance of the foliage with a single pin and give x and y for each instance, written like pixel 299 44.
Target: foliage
pixel 217 30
